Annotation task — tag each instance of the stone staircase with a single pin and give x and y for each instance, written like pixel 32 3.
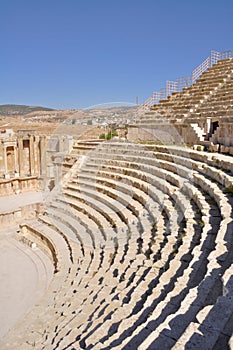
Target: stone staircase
pixel 199 132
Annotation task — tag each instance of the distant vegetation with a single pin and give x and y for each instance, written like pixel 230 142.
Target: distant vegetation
pixel 10 110
pixel 109 135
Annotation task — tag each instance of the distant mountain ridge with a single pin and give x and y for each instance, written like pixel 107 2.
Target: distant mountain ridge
pixel 12 109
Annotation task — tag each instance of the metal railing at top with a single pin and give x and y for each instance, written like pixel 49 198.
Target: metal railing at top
pixel 206 64
pixel 184 82
pixel 201 69
pixel 226 54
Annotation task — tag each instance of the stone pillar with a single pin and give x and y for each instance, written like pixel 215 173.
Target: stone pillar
pixel 58 170
pixel 16 163
pixel 20 155
pixel 208 126
pixel 43 155
pixel 2 166
pixel 31 155
pixel 5 163
pixel 37 154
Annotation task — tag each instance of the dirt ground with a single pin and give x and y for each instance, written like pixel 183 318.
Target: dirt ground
pixel 24 277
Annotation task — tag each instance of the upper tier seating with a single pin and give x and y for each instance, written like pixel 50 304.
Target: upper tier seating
pixel 199 114
pixel 196 100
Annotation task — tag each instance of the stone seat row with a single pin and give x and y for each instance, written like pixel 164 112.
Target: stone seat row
pixel 217 166
pixel 156 265
pixel 127 322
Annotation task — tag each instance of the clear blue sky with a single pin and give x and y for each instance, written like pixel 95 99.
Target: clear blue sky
pixel 77 53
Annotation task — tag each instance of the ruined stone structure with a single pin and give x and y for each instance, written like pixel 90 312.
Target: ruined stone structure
pixel 21 154
pixel 29 161
pixel 139 235
pixel 22 161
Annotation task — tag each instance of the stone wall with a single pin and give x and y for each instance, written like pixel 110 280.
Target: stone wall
pixel 22 161
pixel 223 134
pixel 163 134
pixel 35 238
pixel 14 217
pixel 18 185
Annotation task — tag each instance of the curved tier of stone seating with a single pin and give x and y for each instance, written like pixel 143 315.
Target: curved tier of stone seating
pixel 147 239
pixel 196 100
pixel 221 101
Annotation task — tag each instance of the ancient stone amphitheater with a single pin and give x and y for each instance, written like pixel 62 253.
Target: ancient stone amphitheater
pixel 141 235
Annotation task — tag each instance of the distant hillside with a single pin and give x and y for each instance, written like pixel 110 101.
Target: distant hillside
pixel 11 110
